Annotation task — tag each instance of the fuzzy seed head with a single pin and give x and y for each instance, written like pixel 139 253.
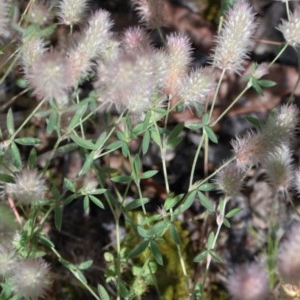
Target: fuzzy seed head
pixel 29 187
pixel 195 88
pixel 230 180
pixel 291 28
pixel 235 37
pixel 4 18
pixel 30 278
pixel 130 82
pixel 279 167
pixel 136 40
pixel 7 259
pixel 288 259
pixel 150 12
pixel 49 76
pixel 39 13
pixel 179 57
pixel 248 282
pixel 90 45
pixel 32 50
pixel 71 11
pixel 287 120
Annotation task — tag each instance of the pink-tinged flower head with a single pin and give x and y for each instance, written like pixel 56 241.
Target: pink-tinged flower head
pixel 230 180
pixel 71 11
pixel 136 40
pixel 29 187
pixel 7 258
pixel 234 40
pixel 30 278
pixel 39 13
pixel 90 45
pixel 288 260
pixel 49 76
pixel 130 82
pixel 4 18
pixel 291 28
pixel 195 89
pixel 179 57
pixel 32 50
pixel 279 167
pixel 150 12
pixel 248 282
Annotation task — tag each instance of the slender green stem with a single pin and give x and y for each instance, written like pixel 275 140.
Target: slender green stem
pixel 196 185
pixel 216 93
pixel 196 159
pixel 87 287
pixel 27 119
pixel 278 55
pixel 231 105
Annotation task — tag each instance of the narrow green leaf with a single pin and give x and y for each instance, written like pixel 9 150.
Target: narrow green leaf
pixel 87 164
pixel 16 156
pixel 102 292
pixel 101 140
pixel 121 179
pixel 210 240
pixel 115 145
pixel 266 83
pixel 187 203
pixel 67 148
pixel 174 234
pixel 172 200
pixel 233 212
pixel 96 201
pixel 148 174
pixel 146 142
pixel 194 126
pixel 87 144
pixel 201 256
pixel 174 138
pixel 10 122
pixel 206 187
pixel 216 257
pixel 58 217
pixel 138 249
pixel 211 135
pixel 79 275
pixel 28 141
pixel 52 121
pixel 136 204
pixel 85 265
pixel 136 167
pixel 80 111
pixel 158 229
pixel 45 241
pixel 143 232
pixel 69 185
pixel 206 202
pixel 32 159
pixel 124 291
pixel 156 253
pixel 156 137
pixel 86 203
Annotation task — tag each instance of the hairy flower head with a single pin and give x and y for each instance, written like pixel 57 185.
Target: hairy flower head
pixel 49 76
pixel 39 13
pixel 130 82
pixel 235 37
pixel 230 179
pixel 179 57
pixel 30 278
pixel 29 187
pixel 288 259
pixel 4 18
pixel 248 282
pixel 71 11
pixel 150 12
pixel 195 88
pixel 291 28
pixel 136 40
pixel 279 167
pixel 91 43
pixel 32 50
pixel 7 258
